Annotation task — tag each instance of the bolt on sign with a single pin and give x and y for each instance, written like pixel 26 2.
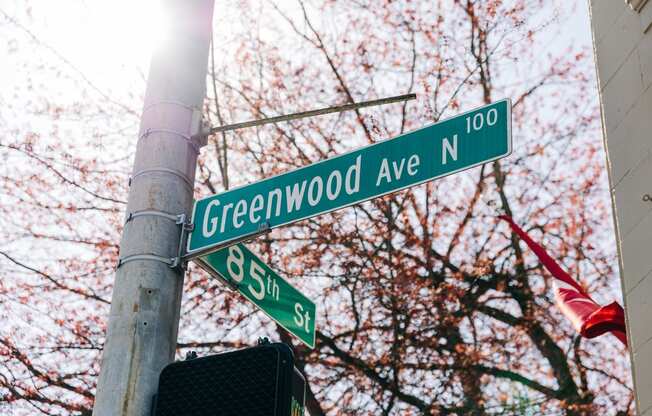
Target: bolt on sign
pixel 251 277
pixel 470 139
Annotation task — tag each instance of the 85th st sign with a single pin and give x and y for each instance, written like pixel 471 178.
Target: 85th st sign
pixel 459 143
pixel 242 270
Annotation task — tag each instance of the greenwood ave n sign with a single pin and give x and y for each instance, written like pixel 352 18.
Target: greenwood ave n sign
pixel 459 143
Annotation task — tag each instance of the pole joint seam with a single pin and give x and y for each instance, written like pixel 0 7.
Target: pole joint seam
pixel 170 102
pixel 191 140
pixel 162 170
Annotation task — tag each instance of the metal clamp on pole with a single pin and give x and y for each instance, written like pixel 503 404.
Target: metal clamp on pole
pixel 152 213
pixel 186 228
pixel 195 119
pixel 153 257
pixel 173 262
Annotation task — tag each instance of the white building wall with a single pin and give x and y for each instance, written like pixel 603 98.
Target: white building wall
pixel 622 38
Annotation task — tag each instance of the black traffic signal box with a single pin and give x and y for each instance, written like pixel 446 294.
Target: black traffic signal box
pixel 256 381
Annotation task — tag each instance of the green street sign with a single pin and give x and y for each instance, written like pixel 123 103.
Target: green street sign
pixel 245 272
pixel 447 147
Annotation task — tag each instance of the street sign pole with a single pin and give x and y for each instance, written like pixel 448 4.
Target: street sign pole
pixel 142 328
pixel 470 139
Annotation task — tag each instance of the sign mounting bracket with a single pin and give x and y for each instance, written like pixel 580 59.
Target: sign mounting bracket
pixel 304 114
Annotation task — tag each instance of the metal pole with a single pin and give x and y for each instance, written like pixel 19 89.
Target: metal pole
pixel 144 318
pixel 310 113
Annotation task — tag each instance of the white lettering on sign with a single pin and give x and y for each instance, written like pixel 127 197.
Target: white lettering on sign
pixel 477 122
pixel 240 211
pixel 235 214
pixel 256 205
pixel 235 265
pixel 353 170
pixel 213 228
pixel 398 170
pixel 258 274
pixel 330 192
pixel 300 318
pixel 225 213
pixel 295 196
pixel 385 174
pixel 314 197
pixel 272 287
pixel 446 148
pixel 236 258
pixel 274 193
pixel 413 164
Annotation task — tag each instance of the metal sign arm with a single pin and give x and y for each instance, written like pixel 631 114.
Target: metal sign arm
pixel 310 113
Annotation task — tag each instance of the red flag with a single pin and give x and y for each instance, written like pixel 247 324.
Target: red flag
pixel 547 261
pixel 588 318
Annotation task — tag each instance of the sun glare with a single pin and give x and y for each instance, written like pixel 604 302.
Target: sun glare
pixel 137 26
pixel 103 38
pixel 156 23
